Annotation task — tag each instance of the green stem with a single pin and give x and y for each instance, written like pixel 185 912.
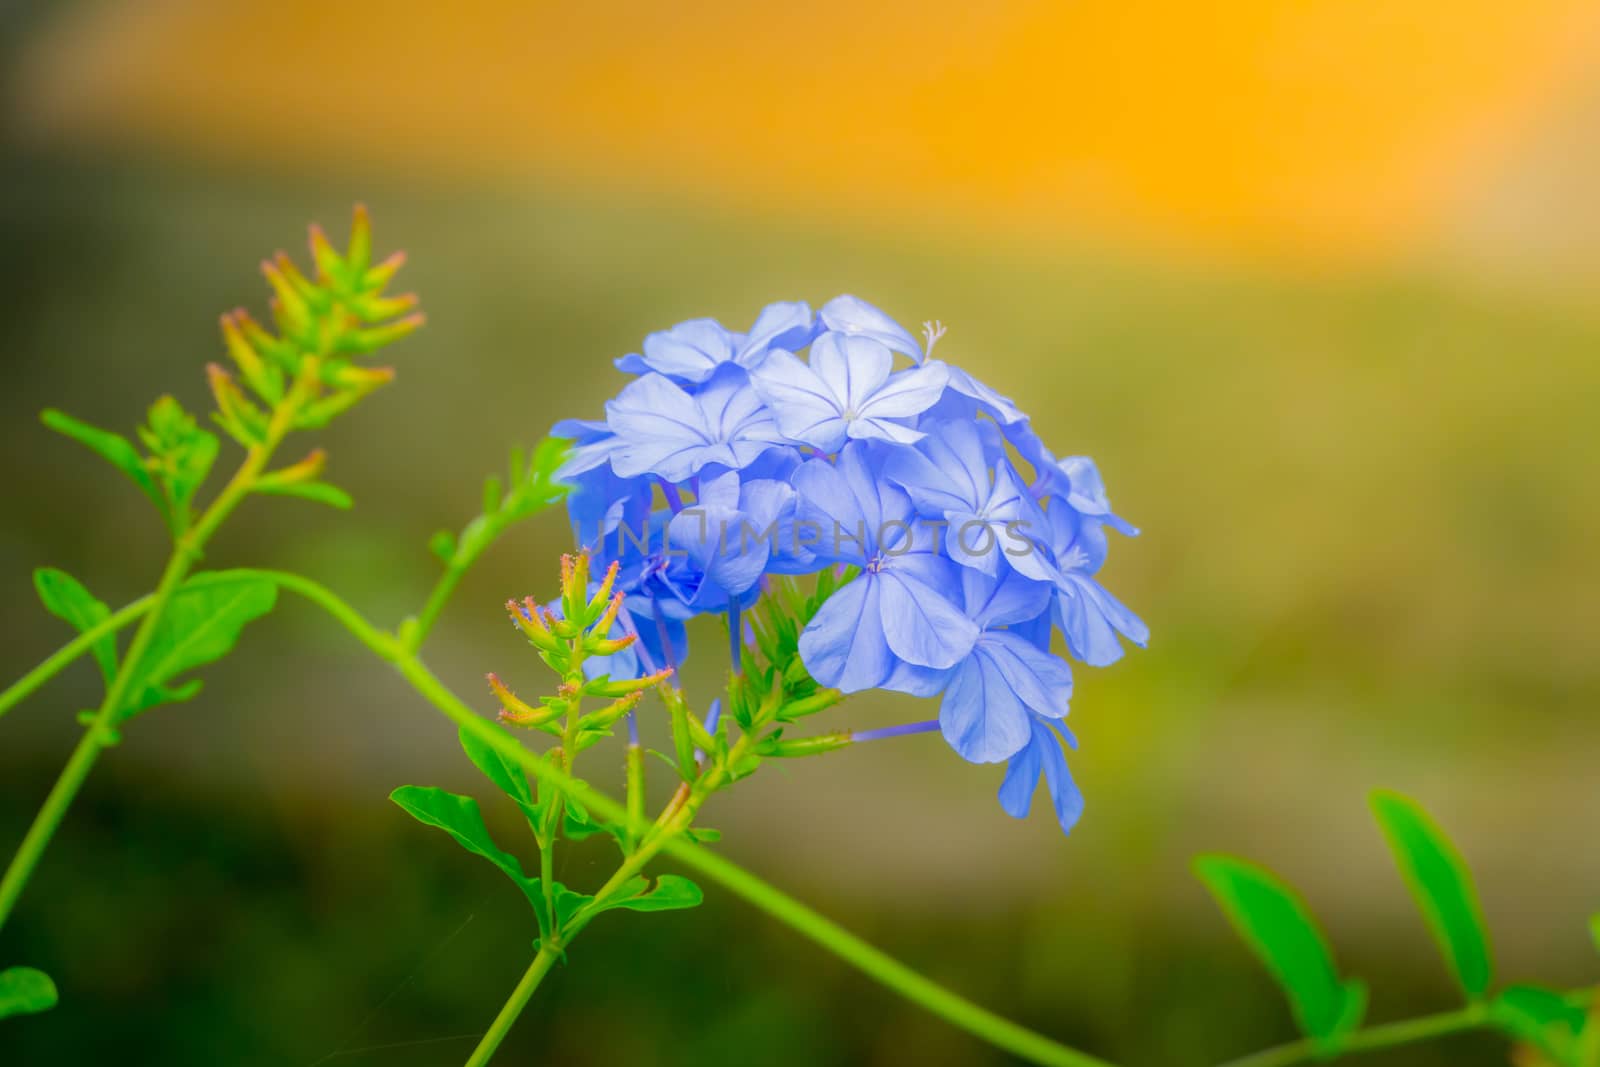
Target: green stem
pixel 101 731
pixel 25 686
pixel 417 630
pixel 518 1000
pixel 929 995
pixel 472 545
pixel 925 993
pixel 1386 1035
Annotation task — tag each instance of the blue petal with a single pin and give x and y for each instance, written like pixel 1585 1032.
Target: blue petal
pixel 1000 408
pixel 906 394
pixel 854 368
pixel 1043 753
pixel 1091 618
pixel 920 624
pixel 659 429
pixel 1003 601
pixel 1086 491
pixel 785 325
pixel 1022 778
pixel 690 351
pixel 801 402
pixel 1064 793
pixel 981 716
pixel 843 646
pixel 1042 682
pixel 852 315
pixel 828 516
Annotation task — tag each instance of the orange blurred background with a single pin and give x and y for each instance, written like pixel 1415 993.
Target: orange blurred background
pixel 1320 127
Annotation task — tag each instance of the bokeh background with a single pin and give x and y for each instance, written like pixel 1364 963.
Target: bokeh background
pixel 1313 281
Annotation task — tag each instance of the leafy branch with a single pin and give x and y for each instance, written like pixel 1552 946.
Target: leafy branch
pixel 296 379
pixel 1279 929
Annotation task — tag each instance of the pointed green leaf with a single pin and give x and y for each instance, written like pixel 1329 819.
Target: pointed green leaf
pixel 460 817
pixel 25 991
pixel 65 597
pixel 1441 884
pixel 1275 923
pixel 112 447
pixel 672 892
pixel 321 492
pixel 202 622
pixel 507 776
pixel 1594 930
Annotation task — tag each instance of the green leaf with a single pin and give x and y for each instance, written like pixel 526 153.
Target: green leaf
pixel 112 447
pixel 672 892
pixel 579 823
pixel 1441 884
pixel 1541 1017
pixel 1594 930
pixel 65 597
pixel 1275 923
pixel 202 623
pixel 25 991
pixel 321 492
pixel 507 776
pixel 460 817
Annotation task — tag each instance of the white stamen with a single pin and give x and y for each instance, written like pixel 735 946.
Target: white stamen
pixel 932 330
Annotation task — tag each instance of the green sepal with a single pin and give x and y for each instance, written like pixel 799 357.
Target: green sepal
pixel 26 991
pixel 201 623
pixel 66 598
pixel 703 835
pixel 1441 885
pixel 1277 926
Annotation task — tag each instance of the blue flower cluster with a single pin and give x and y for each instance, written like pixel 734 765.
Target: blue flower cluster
pixel 832 440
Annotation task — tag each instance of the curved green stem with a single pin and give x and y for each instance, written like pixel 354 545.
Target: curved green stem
pixel 927 994
pixel 1385 1035
pixel 29 683
pixel 101 733
pixel 514 1004
pixel 931 996
pixel 474 544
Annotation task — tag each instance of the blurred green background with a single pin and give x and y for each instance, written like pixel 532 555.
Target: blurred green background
pixel 1364 457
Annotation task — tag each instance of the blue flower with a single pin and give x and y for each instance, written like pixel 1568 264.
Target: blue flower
pixel 1089 616
pixel 898 610
pixel 797 446
pixel 662 430
pixel 739 530
pixel 692 351
pixel 1007 680
pixel 960 472
pixel 855 317
pixel 1042 754
pixel 846 392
